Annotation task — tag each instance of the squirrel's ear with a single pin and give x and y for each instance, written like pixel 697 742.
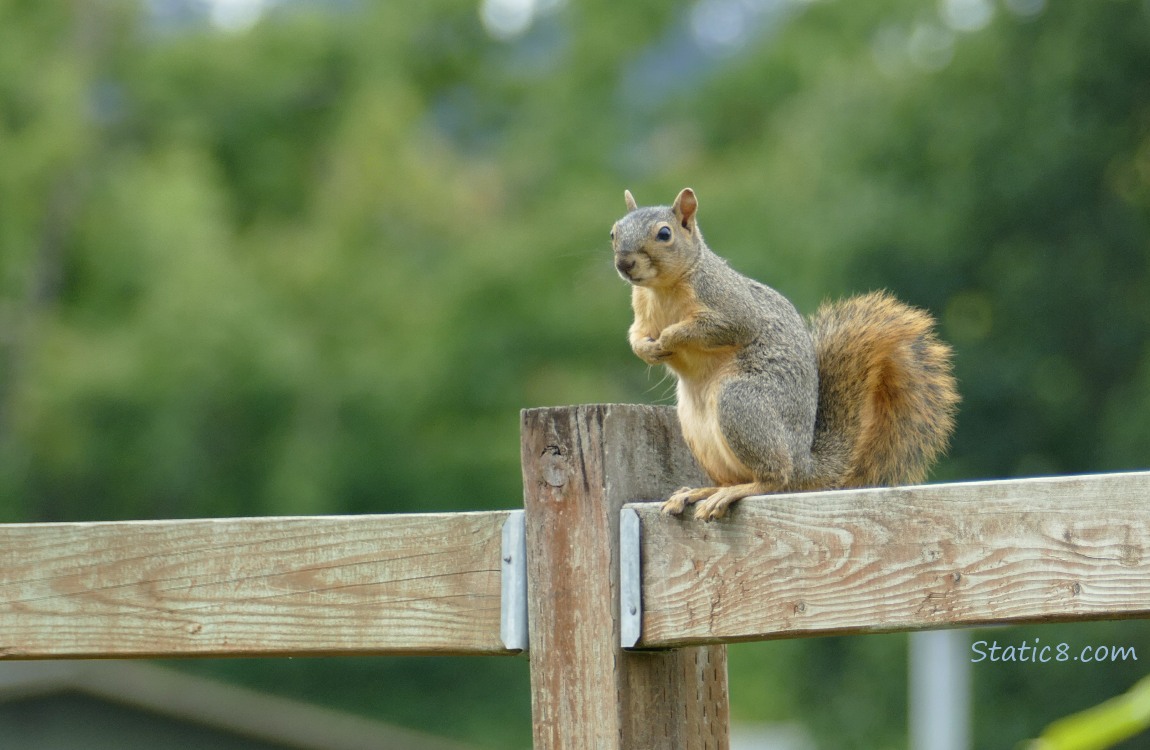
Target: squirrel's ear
pixel 630 199
pixel 685 206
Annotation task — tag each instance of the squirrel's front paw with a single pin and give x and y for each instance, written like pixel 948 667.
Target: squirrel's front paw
pixel 650 351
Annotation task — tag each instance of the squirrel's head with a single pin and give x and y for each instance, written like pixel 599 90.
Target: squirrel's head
pixel 657 245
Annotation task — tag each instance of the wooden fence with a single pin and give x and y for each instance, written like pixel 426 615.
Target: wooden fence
pixel 628 609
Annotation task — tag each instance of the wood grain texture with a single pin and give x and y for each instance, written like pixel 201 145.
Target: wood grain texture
pixel 1032 550
pixel 580 465
pixel 426 583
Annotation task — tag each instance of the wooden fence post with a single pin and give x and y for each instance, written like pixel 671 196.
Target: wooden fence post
pixel 580 465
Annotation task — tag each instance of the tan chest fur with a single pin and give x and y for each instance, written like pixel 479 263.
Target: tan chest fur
pixel 701 372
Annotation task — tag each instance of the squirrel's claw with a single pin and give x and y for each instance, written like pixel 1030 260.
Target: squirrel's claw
pixel 684 496
pixel 711 503
pixel 715 506
pixel 651 352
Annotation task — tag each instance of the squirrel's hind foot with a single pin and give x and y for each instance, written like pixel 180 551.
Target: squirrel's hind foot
pixel 684 496
pixel 711 503
pixel 715 506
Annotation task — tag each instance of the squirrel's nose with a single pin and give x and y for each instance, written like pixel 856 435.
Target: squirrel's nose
pixel 625 265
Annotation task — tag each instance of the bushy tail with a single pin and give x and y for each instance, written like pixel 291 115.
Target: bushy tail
pixel 887 397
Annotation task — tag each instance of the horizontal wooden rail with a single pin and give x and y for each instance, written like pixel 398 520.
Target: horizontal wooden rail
pixel 1029 550
pixel 404 584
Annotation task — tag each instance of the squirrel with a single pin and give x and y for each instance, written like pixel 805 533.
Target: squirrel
pixel 862 395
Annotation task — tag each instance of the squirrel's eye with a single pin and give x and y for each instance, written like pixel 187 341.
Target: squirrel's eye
pixel 612 235
pixel 664 233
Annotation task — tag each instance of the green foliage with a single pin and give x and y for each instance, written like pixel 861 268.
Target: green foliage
pixel 318 266
pixel 1101 726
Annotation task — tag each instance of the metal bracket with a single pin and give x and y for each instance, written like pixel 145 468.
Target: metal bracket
pixel 630 580
pixel 513 595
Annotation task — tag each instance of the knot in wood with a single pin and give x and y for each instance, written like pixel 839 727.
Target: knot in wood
pixel 554 467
